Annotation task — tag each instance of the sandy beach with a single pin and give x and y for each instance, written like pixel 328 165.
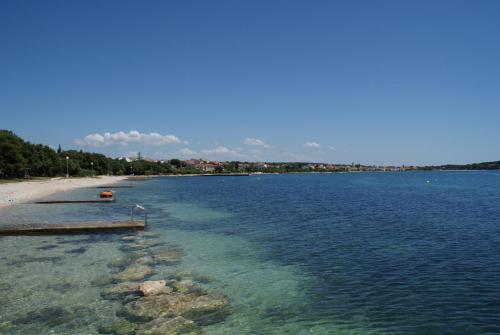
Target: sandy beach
pixel 20 192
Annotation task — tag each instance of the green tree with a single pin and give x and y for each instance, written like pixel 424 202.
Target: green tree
pixel 12 162
pixel 176 162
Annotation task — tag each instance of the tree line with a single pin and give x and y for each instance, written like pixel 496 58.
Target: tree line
pixel 19 158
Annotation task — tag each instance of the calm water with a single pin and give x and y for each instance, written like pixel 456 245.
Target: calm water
pixel 402 253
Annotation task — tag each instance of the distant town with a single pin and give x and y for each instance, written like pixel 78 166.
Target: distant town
pixel 210 166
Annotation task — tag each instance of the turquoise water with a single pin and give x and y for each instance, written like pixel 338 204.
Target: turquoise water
pixel 381 253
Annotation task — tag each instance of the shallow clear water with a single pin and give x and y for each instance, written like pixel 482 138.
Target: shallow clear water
pixel 381 253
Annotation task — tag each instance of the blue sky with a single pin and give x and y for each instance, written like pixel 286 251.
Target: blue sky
pixel 375 82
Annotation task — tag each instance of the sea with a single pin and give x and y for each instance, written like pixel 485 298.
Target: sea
pixel 340 253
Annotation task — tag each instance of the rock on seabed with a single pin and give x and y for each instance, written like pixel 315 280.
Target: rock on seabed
pixel 155 287
pixel 187 286
pixel 148 234
pixel 134 272
pixel 128 238
pixel 169 326
pixel 143 260
pixel 139 245
pixel 190 275
pixel 168 256
pixel 119 290
pixel 117 262
pixel 208 308
pixel 120 327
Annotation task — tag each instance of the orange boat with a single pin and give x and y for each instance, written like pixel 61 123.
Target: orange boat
pixel 106 194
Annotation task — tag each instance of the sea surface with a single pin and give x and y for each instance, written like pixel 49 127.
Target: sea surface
pixel 359 253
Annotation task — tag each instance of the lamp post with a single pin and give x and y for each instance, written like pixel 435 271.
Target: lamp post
pixel 92 164
pixel 67 170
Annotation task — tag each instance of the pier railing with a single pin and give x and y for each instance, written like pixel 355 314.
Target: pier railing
pixel 142 209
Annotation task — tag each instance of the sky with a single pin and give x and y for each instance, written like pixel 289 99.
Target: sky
pixel 371 82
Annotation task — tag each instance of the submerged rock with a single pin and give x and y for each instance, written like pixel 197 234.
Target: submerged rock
pixel 80 250
pixel 187 286
pixel 26 259
pixel 134 272
pixel 117 262
pixel 120 327
pixel 169 326
pixel 102 280
pixel 139 245
pixel 155 287
pixel 47 247
pixel 148 234
pixel 6 325
pixel 131 247
pixel 206 309
pixel 143 260
pixel 134 254
pixel 55 315
pixel 129 238
pixel 50 316
pixel 168 256
pixel 117 291
pixel 182 275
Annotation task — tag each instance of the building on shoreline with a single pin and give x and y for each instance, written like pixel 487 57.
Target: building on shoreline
pixel 208 166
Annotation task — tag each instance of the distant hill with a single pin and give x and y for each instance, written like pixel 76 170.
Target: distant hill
pixel 474 166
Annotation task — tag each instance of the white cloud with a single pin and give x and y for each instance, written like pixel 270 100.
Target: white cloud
pixel 256 142
pixel 123 138
pixel 312 145
pixel 333 148
pixel 222 152
pixel 187 152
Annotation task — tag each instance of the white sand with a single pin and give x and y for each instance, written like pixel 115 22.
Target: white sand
pixel 19 192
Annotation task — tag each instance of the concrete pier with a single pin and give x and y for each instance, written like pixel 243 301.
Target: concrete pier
pixel 76 201
pixel 71 227
pixel 114 186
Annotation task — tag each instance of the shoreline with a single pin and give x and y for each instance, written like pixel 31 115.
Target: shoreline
pixel 25 191
pixel 18 192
